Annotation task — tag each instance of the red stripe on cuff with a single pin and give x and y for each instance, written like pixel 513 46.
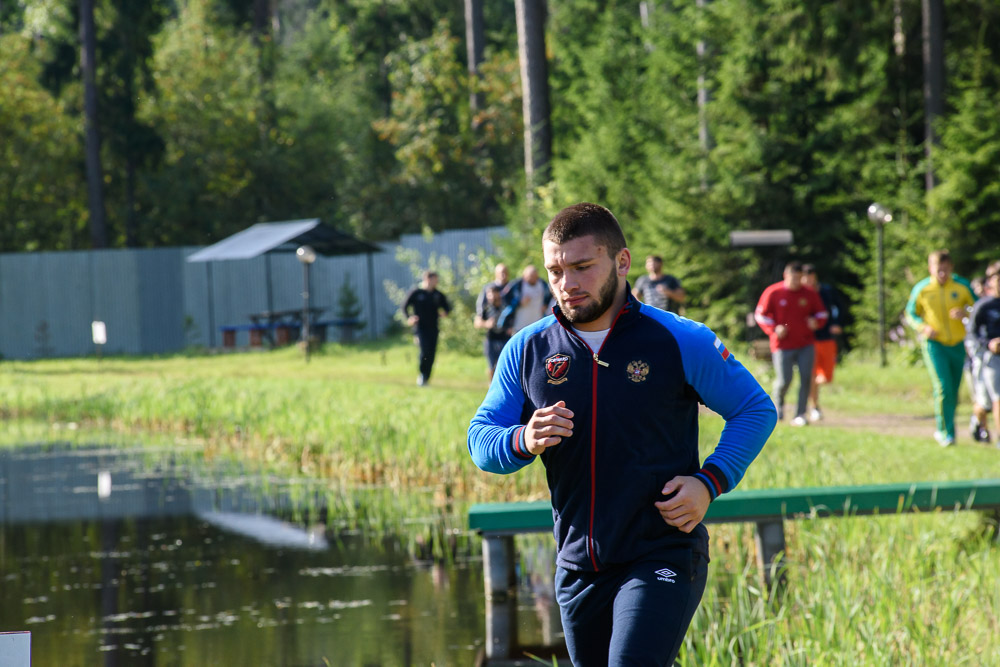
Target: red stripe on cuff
pixel 714 479
pixel 517 445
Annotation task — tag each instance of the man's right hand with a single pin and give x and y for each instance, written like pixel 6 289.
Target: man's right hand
pixel 780 331
pixel 547 427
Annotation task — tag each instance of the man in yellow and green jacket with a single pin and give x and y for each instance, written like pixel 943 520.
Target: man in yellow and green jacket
pixel 936 307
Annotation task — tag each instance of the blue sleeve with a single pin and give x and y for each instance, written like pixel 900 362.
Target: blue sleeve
pixel 730 390
pixel 511 299
pixel 504 321
pixel 496 439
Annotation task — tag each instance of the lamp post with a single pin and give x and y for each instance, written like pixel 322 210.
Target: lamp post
pixel 879 215
pixel 307 256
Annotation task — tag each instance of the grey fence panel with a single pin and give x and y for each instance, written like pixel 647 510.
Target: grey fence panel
pixel 115 284
pixel 16 298
pixel 21 290
pixel 65 314
pixel 239 288
pixel 160 300
pixel 154 301
pixel 199 324
pixel 44 311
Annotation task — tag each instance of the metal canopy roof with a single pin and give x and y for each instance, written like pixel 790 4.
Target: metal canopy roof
pixel 268 237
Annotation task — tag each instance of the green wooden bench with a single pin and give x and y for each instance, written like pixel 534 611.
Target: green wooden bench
pixel 498 523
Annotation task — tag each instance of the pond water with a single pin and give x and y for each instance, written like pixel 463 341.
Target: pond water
pixel 116 558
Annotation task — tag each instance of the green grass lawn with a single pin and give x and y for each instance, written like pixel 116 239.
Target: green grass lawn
pixel 354 416
pixel 914 590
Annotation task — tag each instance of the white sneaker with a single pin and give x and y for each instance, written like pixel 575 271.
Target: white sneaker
pixel 815 415
pixel 944 439
pixel 800 421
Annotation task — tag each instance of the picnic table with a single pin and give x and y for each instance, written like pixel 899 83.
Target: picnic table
pixel 280 327
pixel 277 327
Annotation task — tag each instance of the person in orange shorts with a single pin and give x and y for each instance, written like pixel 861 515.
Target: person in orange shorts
pixel 826 342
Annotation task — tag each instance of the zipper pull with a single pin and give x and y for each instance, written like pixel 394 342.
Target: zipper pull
pixel 602 363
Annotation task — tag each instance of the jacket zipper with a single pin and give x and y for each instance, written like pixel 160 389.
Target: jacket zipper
pixel 591 549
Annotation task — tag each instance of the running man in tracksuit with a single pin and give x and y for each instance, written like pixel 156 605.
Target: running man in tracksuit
pixel 935 309
pixel 983 342
pixel 789 313
pixel 606 392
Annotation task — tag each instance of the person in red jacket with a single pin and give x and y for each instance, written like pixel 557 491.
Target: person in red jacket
pixel 789 312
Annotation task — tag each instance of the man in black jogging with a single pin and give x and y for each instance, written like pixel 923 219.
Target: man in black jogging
pixel 427 305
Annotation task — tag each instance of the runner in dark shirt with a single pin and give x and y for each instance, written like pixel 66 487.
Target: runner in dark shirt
pixel 659 289
pixel 427 304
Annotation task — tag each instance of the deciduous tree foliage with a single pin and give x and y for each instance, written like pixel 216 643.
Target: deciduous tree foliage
pixel 42 197
pixel 220 113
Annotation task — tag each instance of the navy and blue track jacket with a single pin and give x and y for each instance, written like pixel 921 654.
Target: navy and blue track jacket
pixel 635 427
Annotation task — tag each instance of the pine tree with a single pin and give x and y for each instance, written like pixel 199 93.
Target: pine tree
pixel 348 310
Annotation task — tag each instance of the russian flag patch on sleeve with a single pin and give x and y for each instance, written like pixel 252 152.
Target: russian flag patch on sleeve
pixel 721 349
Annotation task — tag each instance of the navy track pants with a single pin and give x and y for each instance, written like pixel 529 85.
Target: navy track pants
pixel 635 614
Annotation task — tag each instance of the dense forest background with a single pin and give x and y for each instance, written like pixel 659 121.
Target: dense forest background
pixel 178 122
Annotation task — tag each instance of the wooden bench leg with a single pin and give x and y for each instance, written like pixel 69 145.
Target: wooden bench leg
pixel 501 596
pixel 229 338
pixel 256 339
pixel 770 541
pixel 285 334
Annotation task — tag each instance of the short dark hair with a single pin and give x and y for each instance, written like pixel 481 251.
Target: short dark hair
pixel 795 266
pixel 809 268
pixel 586 219
pixel 940 257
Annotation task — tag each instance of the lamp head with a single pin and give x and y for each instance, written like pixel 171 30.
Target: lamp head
pixel 306 254
pixel 879 214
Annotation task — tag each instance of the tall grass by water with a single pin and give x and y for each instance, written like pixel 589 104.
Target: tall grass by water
pixel 914 589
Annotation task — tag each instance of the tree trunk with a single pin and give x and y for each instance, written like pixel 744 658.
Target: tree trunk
pixel 704 95
pixel 534 90
pixel 933 38
pixel 705 139
pixel 92 136
pixel 474 51
pixel 131 219
pixel 899 44
pixel 264 24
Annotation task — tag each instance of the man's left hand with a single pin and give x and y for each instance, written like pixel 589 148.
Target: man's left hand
pixel 687 508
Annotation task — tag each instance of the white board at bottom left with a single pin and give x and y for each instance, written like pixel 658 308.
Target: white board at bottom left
pixel 15 649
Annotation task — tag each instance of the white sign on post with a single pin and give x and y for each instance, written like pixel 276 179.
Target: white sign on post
pixel 100 332
pixel 15 649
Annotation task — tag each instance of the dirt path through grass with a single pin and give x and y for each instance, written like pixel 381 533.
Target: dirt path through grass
pixel 911 426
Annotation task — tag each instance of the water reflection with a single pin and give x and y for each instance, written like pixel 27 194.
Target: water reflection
pixel 111 557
